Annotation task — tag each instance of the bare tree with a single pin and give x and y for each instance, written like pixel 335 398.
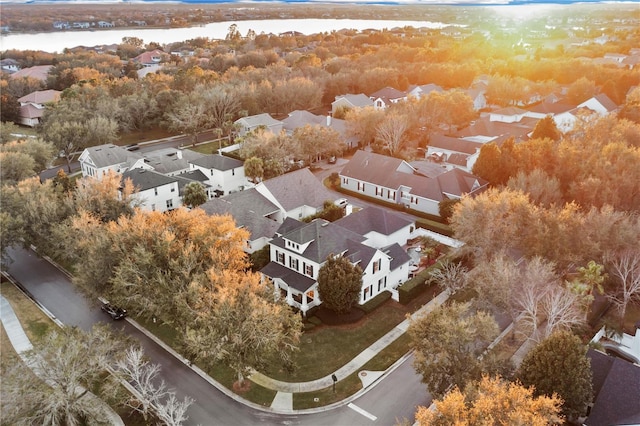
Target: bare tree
pixel 626 268
pixel 450 276
pixel 150 397
pixel 391 133
pixel 561 307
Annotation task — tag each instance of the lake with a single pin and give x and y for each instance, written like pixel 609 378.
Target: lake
pixel 59 40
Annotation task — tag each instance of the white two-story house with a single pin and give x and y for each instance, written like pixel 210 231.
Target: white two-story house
pixel 155 191
pixel 224 174
pixel 299 250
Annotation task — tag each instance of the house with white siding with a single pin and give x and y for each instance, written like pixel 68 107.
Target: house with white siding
pixel 395 181
pixel 224 174
pixel 299 250
pixel 154 191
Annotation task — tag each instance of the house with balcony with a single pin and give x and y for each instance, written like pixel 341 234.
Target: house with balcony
pixel 299 250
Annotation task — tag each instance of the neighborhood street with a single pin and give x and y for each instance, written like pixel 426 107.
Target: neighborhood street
pixel 389 400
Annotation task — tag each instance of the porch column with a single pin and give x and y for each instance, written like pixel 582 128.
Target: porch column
pixel 305 307
pixel 289 296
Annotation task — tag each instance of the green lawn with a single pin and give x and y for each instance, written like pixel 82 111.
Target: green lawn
pixel 324 349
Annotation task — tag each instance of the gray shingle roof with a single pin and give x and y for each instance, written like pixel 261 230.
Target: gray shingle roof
pixel 254 221
pixel 298 188
pixel 454 144
pixel 168 160
pixel 110 154
pixel 373 219
pixel 292 278
pixel 146 179
pixel 263 119
pixel 359 100
pixel 398 255
pixel 217 162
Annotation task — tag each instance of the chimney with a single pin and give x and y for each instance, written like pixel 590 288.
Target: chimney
pixel 179 154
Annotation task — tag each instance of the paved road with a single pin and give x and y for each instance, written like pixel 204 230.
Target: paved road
pixel 393 398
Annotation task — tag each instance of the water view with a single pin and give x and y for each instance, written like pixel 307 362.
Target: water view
pixel 58 41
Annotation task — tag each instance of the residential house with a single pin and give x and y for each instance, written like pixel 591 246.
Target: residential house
pixel 596 106
pixel 155 191
pixel 301 118
pixel 253 122
pixel 616 389
pixel 151 58
pixel 96 161
pixel 299 250
pixel 298 194
pixel 171 161
pixel 545 108
pixel 39 72
pixel 9 65
pixel 486 130
pixel 423 90
pixel 387 96
pixel 478 98
pixel 349 101
pixel 224 174
pixel 453 152
pixel 395 181
pixel 251 211
pixel 32 106
pixel 507 115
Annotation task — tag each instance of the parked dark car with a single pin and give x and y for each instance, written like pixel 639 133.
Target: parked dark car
pixel 115 312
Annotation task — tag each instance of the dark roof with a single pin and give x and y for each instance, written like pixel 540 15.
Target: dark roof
pixel 288 224
pixel 454 144
pixel 300 118
pixel 110 154
pixel 249 200
pixel 373 219
pixel 388 93
pixel 196 175
pixel 146 179
pixel 458 182
pixel 551 108
pixel 428 168
pixel 485 127
pixel 370 167
pixel 617 400
pixel 398 255
pixel 298 188
pixel 292 278
pixel 254 221
pixel 171 160
pixel 217 162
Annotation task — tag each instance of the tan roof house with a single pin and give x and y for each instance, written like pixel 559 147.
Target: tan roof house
pixel 32 106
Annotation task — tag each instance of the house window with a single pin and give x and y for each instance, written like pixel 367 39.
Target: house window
pixel 366 294
pixel 308 270
pixel 155 191
pixel 377 265
pixel 380 281
pixel 293 263
pixel 153 207
pixel 173 188
pixel 345 181
pixel 169 204
pixel 280 257
pixel 233 172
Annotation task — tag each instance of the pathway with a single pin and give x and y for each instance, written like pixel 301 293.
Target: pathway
pixel 23 346
pixel 283 399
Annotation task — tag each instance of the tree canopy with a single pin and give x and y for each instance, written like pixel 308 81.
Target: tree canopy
pixel 339 284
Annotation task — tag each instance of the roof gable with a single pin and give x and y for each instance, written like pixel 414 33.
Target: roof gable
pixel 373 219
pixel 298 188
pixel 41 97
pixel 110 154
pixel 217 162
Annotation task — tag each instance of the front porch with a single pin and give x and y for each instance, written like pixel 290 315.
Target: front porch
pixel 299 291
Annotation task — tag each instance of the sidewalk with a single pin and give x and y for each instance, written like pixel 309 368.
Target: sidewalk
pixel 283 399
pixel 23 346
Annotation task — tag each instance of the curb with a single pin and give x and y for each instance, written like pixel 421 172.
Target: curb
pixel 208 378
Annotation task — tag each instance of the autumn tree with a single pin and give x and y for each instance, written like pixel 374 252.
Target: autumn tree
pixel 107 198
pixel 546 128
pixel 339 284
pixel 542 189
pixel 362 123
pixel 194 194
pixel 581 90
pixel 316 141
pixel 238 322
pixel 503 402
pixel 559 365
pixel 189 115
pixel 447 344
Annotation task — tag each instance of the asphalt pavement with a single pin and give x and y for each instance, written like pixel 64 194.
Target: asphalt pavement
pixel 392 397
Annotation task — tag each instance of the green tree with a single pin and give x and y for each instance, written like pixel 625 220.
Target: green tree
pixel 559 365
pixel 7 131
pixel 447 344
pixel 446 208
pixel 488 165
pixel 339 284
pixel 546 128
pixel 254 169
pixel 194 194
